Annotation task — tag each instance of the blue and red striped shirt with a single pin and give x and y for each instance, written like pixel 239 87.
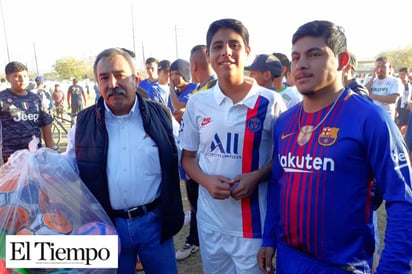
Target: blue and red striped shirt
pixel 320 192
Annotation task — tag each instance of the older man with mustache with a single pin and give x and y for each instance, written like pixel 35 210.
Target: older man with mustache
pixel 126 154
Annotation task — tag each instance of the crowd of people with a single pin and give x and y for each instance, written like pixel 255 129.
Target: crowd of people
pixel 285 157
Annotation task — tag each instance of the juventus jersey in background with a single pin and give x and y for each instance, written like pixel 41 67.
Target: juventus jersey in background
pixel 21 118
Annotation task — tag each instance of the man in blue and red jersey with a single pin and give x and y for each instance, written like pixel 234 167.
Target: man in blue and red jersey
pixel 326 151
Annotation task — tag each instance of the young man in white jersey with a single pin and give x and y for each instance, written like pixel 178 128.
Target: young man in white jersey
pixel 383 88
pixel 403 107
pixel 289 93
pixel 226 139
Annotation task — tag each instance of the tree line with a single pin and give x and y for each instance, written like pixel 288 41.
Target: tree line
pixel 70 67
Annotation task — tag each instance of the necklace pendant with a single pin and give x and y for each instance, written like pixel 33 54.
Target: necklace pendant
pixel 305 134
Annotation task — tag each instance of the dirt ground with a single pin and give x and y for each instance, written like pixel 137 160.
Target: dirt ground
pixel 193 264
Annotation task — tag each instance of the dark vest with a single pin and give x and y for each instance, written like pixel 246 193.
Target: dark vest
pixel 91 154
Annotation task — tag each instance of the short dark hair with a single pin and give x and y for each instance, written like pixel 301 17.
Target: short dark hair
pixel 282 58
pixel 404 69
pixel 15 67
pixel 130 52
pixel 227 23
pixel 198 48
pixel 151 60
pixel 382 59
pixel 110 52
pixel 332 34
pixel 198 53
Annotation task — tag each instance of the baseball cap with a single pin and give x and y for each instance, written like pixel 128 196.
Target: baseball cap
pixel 264 62
pixel 163 65
pixel 39 79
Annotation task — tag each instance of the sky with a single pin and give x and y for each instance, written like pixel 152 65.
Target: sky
pixel 39 32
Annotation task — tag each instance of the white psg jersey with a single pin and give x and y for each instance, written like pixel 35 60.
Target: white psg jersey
pixel 231 140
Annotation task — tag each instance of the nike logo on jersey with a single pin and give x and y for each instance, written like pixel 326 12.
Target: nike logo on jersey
pixel 284 136
pixel 206 121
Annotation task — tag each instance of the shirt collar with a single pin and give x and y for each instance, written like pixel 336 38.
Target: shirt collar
pixel 249 100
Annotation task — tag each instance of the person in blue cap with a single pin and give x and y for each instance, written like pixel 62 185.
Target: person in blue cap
pixel 46 98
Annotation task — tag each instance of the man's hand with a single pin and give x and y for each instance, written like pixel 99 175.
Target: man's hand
pixel 218 186
pixel 244 185
pixel 178 114
pixel 264 258
pixel 171 83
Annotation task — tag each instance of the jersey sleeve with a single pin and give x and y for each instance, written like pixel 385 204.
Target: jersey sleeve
pixel 389 159
pixel 45 118
pixel 273 201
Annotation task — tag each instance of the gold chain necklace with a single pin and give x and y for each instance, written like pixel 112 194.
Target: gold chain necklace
pixel 321 121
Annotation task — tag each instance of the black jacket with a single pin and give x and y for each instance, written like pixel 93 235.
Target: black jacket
pixel 91 143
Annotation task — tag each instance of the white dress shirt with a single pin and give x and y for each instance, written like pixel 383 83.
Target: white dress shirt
pixel 133 165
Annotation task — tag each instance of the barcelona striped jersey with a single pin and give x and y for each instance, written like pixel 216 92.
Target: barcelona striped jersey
pixel 319 195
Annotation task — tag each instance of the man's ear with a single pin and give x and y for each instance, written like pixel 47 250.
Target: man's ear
pixel 207 55
pixel 343 60
pixel 268 74
pixel 248 50
pixel 284 71
pixel 194 66
pixel 138 78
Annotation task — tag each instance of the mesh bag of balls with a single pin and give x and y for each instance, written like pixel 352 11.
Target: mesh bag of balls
pixel 41 194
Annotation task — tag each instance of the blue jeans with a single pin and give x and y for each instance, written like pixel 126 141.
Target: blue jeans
pixel 141 236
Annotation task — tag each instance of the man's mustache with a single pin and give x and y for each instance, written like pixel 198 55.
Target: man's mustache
pixel 116 91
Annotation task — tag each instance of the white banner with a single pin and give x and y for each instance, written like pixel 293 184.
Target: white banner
pixel 62 251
